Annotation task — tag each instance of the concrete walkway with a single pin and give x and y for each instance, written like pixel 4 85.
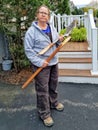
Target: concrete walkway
pixel 18 108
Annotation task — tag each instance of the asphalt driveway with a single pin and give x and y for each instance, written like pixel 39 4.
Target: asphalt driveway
pixel 18 108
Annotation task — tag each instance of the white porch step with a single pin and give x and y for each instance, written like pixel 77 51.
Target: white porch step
pixel 73 79
pixel 75 66
pixel 77 76
pixel 75 63
pixel 73 54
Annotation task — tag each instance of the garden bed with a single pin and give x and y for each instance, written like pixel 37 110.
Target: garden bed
pixel 12 77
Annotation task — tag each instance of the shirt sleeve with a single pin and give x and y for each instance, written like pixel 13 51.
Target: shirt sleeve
pixel 29 49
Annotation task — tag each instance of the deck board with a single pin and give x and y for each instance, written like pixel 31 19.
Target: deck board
pixel 75 72
pixel 75 46
pixel 75 60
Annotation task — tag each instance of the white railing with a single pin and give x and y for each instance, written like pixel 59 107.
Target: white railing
pixel 62 21
pixel 93 40
pixel 86 20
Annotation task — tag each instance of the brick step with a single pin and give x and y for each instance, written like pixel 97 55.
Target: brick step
pixel 75 73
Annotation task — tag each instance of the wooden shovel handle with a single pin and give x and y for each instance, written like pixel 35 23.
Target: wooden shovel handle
pixel 46 49
pixel 32 77
pixel 48 60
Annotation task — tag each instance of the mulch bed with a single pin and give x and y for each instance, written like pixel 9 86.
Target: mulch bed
pixel 12 77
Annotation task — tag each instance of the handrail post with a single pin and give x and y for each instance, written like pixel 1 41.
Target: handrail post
pixel 94 70
pixel 59 22
pixel 52 18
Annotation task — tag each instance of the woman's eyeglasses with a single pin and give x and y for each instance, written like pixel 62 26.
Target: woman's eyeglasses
pixel 43 13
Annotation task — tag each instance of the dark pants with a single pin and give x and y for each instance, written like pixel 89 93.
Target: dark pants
pixel 46 89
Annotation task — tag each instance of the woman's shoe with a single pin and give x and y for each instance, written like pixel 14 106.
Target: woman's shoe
pixel 59 107
pixel 48 121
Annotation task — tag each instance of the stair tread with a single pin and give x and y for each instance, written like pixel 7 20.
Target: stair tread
pixel 75 60
pixel 75 47
pixel 75 73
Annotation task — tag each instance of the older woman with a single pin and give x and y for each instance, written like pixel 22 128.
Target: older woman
pixel 37 37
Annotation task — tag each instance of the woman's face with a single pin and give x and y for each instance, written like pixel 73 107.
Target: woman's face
pixel 43 14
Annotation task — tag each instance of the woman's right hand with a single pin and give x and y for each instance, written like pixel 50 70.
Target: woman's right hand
pixel 45 64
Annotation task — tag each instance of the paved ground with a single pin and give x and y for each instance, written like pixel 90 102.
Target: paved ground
pixel 18 108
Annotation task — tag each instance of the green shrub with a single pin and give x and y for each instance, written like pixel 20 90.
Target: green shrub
pixel 18 56
pixel 78 34
pixel 62 32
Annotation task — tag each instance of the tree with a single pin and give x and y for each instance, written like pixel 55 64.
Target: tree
pixel 17 16
pixel 63 7
pixel 77 11
pixel 96 13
